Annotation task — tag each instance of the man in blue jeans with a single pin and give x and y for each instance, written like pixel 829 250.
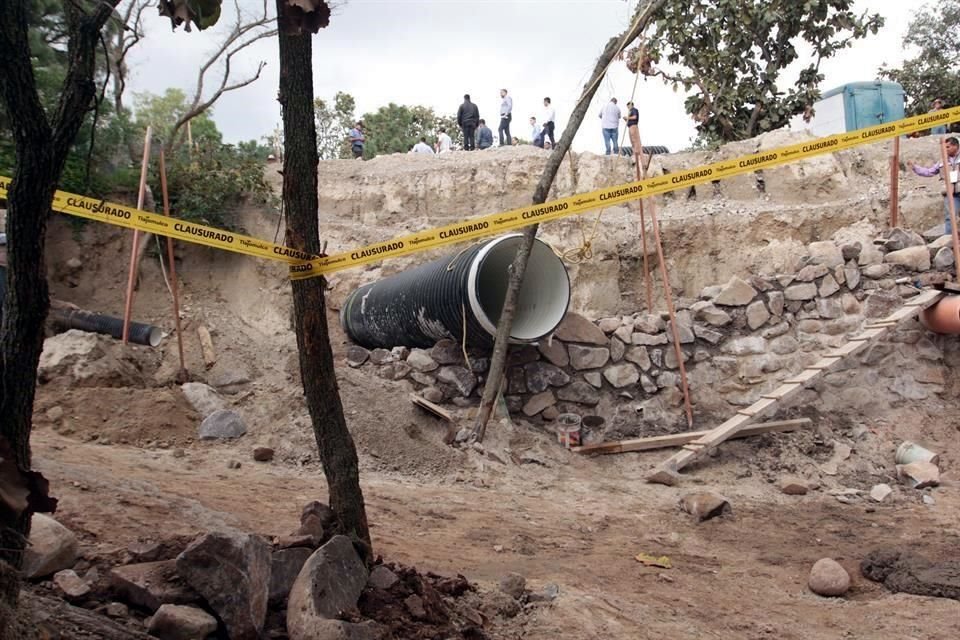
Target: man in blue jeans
pixel 610 122
pixel 953 171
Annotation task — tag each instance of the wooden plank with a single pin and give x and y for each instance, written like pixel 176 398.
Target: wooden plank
pixel 870 334
pixel 666 473
pixel 436 410
pixel 824 363
pixel 847 350
pixel 782 391
pixel 680 439
pixel 804 376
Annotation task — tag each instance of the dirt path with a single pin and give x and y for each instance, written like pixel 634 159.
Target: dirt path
pixel 578 525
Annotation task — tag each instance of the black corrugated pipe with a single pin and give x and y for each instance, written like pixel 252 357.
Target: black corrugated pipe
pixel 417 307
pixel 144 334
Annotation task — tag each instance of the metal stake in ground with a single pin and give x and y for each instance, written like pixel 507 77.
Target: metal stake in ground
pixel 182 375
pixel 132 273
pixel 505 323
pixel 895 183
pixel 951 206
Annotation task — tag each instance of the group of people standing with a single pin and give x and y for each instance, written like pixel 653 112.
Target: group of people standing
pixel 476 133
pixel 610 116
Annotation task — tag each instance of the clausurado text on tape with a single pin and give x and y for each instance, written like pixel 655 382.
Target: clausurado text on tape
pixel 305 266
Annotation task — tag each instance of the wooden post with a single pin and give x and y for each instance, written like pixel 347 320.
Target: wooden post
pixel 132 271
pixel 895 184
pixel 951 205
pixel 174 287
pixel 641 171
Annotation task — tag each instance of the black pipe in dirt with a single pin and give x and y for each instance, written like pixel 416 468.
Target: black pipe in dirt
pixel 144 334
pixel 420 306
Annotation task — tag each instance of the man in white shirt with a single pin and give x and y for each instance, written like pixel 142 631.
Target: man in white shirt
pixel 422 147
pixel 549 115
pixel 506 116
pixel 610 122
pixel 444 143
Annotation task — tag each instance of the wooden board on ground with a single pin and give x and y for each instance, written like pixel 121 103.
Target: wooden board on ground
pixel 680 439
pixel 435 409
pixel 666 473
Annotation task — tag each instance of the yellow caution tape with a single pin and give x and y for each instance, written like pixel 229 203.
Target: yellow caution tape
pixel 133 218
pixel 612 196
pixel 304 266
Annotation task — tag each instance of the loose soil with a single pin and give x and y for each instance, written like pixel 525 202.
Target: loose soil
pixel 126 465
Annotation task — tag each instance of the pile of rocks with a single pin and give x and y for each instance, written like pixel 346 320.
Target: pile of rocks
pixel 738 340
pixel 308 585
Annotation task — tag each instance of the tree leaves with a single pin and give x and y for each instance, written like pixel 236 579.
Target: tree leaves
pixel 731 54
pixel 202 13
pixel 934 71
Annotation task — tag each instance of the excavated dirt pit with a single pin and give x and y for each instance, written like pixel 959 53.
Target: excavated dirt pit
pixel 124 457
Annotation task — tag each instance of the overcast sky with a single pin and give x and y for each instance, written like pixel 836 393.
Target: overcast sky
pixel 432 52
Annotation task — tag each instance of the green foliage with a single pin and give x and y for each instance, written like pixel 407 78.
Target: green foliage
pixel 396 128
pixel 162 112
pixel 730 54
pixel 209 184
pixel 934 70
pixel 333 122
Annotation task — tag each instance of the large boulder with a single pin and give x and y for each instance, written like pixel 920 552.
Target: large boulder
pixel 177 622
pixel 828 578
pixel 913 258
pixel 576 328
pixel 222 424
pixel 149 585
pixel 329 584
pixel 203 398
pixel 88 360
pixel 232 572
pixel 52 548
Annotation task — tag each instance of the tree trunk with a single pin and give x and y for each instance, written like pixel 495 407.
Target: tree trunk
pixel 41 151
pixel 337 451
pixel 519 266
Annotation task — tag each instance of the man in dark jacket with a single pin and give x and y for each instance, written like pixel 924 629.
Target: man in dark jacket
pixel 468 117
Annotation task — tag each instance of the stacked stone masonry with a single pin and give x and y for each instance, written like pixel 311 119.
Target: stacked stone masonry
pixel 738 339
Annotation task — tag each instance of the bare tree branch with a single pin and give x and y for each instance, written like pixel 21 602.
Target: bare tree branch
pixel 245 32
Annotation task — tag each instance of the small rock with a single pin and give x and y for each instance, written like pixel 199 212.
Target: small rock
pixel 794 486
pixel 594 378
pixel 913 258
pixel 648 340
pixel 176 622
pixel 639 356
pixel 617 349
pixel 263 454
pixel 539 376
pixel 805 291
pixel 414 605
pixel 52 548
pixel 382 356
pixel 736 293
pixel 554 351
pixel 775 302
pixel 579 392
pixel 928 500
pixel 609 325
pixel 55 414
pixel 667 477
pixel 233 464
pixel 877 271
pixel 447 351
pixel 919 475
pixel 811 272
pixel 880 491
pixel 382 578
pixel 942 261
pixel 588 357
pixel 704 333
pixel 460 378
pixel 576 328
pixel 356 356
pixel 220 424
pixel 419 360
pixel 749 345
pixel 394 370
pixel 757 314
pixel 538 403
pixel 621 375
pixel 709 313
pixel 514 585
pixel 825 253
pixel 116 610
pixel 70 584
pixel 648 323
pixel 203 398
pixel 828 578
pixel 851 251
pixel 828 286
pixel 432 394
pixel 704 505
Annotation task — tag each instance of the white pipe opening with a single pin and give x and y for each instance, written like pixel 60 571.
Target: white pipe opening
pixel 543 298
